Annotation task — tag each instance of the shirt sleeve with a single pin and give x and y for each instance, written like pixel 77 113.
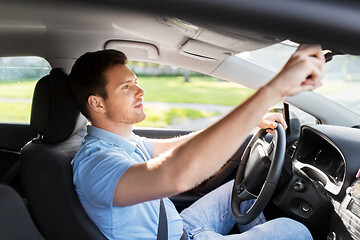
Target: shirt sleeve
pixel 100 173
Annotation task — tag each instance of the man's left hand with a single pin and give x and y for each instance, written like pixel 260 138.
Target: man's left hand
pixel 269 122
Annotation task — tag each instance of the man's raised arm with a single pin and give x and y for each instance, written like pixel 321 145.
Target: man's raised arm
pixel 197 158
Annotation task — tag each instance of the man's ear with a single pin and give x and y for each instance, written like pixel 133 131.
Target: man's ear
pixel 96 103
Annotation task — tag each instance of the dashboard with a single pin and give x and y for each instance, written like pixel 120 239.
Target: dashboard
pixel 328 155
pixel 323 186
pixel 318 158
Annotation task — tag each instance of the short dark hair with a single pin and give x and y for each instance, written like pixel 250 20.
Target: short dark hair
pixel 87 76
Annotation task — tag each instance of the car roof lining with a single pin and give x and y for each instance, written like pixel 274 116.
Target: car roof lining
pixel 277 22
pixel 39 23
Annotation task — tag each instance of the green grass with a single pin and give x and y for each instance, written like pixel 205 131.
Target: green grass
pixel 161 89
pixel 163 117
pixel 15 112
pixel 198 90
pixel 22 90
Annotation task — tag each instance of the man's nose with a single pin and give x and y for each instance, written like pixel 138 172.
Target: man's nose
pixel 140 92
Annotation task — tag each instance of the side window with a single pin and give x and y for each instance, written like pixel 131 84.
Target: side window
pixel 18 76
pixel 181 99
pixel 303 117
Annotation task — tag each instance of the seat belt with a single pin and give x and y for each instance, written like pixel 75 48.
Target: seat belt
pixel 185 235
pixel 163 226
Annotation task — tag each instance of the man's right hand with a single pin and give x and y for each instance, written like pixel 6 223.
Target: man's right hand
pixel 302 72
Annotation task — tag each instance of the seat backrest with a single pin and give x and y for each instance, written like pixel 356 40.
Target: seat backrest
pixel 45 162
pixel 15 220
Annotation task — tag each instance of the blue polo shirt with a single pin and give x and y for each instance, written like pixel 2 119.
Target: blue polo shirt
pixel 101 161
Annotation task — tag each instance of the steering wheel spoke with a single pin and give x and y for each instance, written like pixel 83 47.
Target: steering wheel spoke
pixel 244 194
pixel 270 147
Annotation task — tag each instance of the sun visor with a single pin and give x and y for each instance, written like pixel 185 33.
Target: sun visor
pixel 238 44
pixel 204 51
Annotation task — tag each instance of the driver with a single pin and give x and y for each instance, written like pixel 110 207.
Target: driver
pixel 121 177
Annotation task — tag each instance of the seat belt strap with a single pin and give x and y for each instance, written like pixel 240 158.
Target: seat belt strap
pixel 184 236
pixel 163 226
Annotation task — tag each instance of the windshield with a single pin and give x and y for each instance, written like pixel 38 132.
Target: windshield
pixel 341 80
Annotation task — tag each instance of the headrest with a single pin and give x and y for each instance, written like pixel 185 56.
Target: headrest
pixel 54 114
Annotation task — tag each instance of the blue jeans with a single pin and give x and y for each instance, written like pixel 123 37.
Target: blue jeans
pixel 211 218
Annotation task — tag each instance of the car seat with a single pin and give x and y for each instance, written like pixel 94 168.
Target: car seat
pixel 15 220
pixel 45 162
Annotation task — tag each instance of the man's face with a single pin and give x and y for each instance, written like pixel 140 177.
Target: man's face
pixel 125 99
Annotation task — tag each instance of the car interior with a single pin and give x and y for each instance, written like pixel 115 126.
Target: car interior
pixel 318 173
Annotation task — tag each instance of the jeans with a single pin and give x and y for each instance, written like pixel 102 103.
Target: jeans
pixel 211 218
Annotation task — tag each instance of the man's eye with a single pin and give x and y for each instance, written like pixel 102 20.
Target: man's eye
pixel 126 86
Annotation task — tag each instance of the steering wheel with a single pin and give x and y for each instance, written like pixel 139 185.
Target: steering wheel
pixel 253 179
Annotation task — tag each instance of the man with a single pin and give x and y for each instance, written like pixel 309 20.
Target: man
pixel 120 177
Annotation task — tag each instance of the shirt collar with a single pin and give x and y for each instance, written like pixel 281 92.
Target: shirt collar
pixel 112 138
